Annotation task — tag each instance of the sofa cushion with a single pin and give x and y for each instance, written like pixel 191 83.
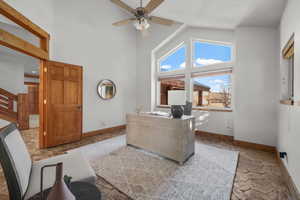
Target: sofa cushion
pixel 74 165
pixel 20 158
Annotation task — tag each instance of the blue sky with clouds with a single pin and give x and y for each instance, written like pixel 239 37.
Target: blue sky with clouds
pixel 174 61
pixel 204 54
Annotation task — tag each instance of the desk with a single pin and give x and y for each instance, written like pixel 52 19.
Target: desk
pixel 165 136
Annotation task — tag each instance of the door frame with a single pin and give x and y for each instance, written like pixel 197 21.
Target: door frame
pixel 42 53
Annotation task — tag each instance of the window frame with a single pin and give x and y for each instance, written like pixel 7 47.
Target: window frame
pixel 190 69
pixel 215 43
pixel 179 46
pixel 223 72
pixel 288 54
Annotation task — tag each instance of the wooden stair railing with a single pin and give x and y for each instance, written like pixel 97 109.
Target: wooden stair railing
pixel 7 111
pixel 7 100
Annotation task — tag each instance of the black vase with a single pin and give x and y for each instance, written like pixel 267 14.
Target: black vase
pixel 177 111
pixel 188 108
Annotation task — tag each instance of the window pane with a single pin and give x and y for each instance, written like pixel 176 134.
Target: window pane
pixel 174 61
pixel 208 54
pixel 172 92
pixel 212 91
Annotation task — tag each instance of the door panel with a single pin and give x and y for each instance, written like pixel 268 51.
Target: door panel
pixel 33 99
pixel 64 103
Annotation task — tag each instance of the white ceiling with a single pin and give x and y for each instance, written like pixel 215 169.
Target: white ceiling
pixel 226 14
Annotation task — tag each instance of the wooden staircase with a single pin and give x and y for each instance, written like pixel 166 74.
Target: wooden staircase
pixel 8 112
pixel 7 100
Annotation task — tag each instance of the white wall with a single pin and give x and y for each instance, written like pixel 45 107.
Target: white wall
pixel 3 123
pixel 83 34
pixel 11 75
pixel 256 85
pixel 289 128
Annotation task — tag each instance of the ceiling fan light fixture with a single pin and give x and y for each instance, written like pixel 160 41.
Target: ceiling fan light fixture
pixel 141 24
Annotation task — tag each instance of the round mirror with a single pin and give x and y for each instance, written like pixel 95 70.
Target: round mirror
pixel 106 89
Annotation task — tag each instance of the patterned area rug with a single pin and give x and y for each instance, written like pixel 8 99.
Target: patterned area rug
pixel 208 175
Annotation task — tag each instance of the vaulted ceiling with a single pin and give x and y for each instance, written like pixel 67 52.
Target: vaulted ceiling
pixel 220 13
pixel 227 14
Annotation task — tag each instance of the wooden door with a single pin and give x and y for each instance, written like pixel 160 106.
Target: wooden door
pixel 63 103
pixel 33 99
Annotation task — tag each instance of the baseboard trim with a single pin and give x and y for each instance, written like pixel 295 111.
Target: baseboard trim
pixel 288 179
pixel 237 142
pixel 104 131
pixel 254 146
pixel 214 135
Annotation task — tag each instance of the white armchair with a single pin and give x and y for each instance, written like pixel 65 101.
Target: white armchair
pixel 23 175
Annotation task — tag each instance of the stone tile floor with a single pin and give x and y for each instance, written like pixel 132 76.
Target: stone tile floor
pixel 258 174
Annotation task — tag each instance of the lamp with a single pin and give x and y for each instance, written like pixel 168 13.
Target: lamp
pixel 141 24
pixel 59 190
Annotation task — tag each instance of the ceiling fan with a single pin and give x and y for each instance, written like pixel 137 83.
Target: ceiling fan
pixel 142 15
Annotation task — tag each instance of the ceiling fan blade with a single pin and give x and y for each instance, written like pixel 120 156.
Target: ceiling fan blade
pixel 152 5
pixel 123 22
pixel 160 20
pixel 123 5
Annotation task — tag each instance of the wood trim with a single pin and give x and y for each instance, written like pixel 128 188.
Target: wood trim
pixel 8 118
pixel 8 94
pixel 4 104
pixel 245 144
pixel 26 75
pixel 44 44
pixel 288 50
pixel 103 131
pixel 214 135
pixel 3 98
pixel 8 112
pixel 11 41
pixel 23 112
pixel 254 146
pixel 287 102
pixel 31 83
pixel 21 20
pixel 290 53
pixel 288 179
pixel 56 63
pixel 42 106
